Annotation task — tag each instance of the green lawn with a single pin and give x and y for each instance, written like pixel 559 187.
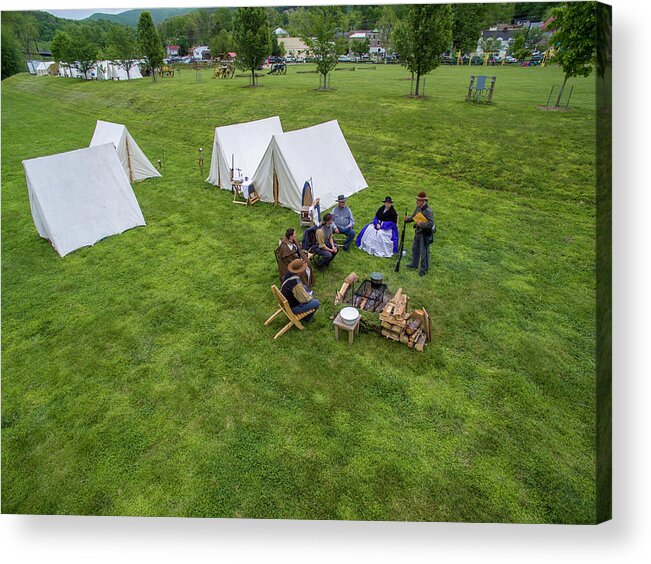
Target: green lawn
pixel 137 375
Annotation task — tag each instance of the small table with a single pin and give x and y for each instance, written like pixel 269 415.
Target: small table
pixel 339 323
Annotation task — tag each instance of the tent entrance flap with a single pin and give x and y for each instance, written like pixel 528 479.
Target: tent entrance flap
pixel 275 189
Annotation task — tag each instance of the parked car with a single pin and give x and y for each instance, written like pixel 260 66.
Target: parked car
pixel 343 59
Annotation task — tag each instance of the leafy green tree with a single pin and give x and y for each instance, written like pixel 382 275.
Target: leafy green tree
pixel 221 43
pixel 518 48
pixel 61 48
pixel 184 45
pixel 360 46
pixel 123 47
pixel 467 25
pixel 490 44
pixel 320 36
pixel 575 36
pixel 12 62
pixel 83 50
pixel 297 22
pixel 499 12
pixel 26 32
pixel 252 38
pixel 222 19
pixel 422 37
pixel 342 46
pixel 149 42
pixel 385 24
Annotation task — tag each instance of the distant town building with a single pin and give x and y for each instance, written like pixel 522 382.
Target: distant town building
pixel 294 47
pixel 373 37
pixel 280 32
pixel 201 53
pixel 173 50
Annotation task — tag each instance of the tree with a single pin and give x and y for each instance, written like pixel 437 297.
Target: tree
pixel 26 32
pixel 575 37
pixel 221 43
pixel 342 46
pixel 385 24
pixel 422 37
pixel 319 36
pixel 490 44
pixel 122 47
pixel 499 12
pixel 61 48
pixel 184 45
pixel 252 38
pixel 360 46
pixel 83 50
pixel 518 49
pixel 149 42
pixel 11 60
pixel 466 26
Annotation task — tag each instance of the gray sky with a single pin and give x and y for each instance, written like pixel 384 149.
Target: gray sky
pixel 81 14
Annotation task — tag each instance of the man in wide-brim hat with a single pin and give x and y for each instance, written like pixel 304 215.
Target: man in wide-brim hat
pixel 300 299
pixel 423 219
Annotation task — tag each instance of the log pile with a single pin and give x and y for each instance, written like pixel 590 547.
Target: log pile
pixel 411 329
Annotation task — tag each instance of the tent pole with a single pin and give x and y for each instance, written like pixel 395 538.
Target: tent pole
pixel 126 142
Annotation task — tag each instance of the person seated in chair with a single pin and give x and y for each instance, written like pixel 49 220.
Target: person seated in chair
pixel 290 250
pixel 299 298
pixel 325 245
pixel 380 237
pixel 344 221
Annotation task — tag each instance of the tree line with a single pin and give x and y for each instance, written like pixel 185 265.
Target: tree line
pixel 419 33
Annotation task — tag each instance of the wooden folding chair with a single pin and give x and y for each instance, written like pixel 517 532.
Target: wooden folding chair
pixel 284 308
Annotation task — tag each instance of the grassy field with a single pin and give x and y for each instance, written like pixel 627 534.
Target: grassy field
pixel 138 378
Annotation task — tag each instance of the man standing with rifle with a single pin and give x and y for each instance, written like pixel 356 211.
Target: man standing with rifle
pixel 423 219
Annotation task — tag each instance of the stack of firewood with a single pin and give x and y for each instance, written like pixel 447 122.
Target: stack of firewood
pixel 394 316
pixel 399 325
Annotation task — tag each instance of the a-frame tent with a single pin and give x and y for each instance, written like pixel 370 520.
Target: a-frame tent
pixel 134 161
pixel 240 146
pixel 319 153
pixel 80 197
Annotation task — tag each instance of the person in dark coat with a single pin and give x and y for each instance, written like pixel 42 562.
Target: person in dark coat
pixel 289 250
pixel 380 237
pixel 423 219
pixel 299 298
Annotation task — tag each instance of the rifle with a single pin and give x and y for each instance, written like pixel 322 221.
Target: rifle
pixel 402 243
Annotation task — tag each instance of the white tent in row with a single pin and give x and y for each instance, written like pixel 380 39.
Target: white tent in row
pixel 280 163
pixel 103 70
pixel 133 160
pixel 240 147
pixel 318 153
pixel 80 197
pixel 108 70
pixel 39 68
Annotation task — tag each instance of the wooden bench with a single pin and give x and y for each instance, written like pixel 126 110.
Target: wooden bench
pixel 294 319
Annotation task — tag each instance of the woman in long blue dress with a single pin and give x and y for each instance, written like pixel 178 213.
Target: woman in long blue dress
pixel 380 237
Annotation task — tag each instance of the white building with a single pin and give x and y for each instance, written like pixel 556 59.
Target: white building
pixel 201 52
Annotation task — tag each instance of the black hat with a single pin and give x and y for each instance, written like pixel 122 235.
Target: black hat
pixel 341 198
pixel 388 199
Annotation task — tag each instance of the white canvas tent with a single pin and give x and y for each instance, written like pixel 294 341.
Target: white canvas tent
pixel 108 70
pixel 43 68
pixel 67 71
pixel 134 161
pixel 319 152
pixel 80 197
pixel 242 143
